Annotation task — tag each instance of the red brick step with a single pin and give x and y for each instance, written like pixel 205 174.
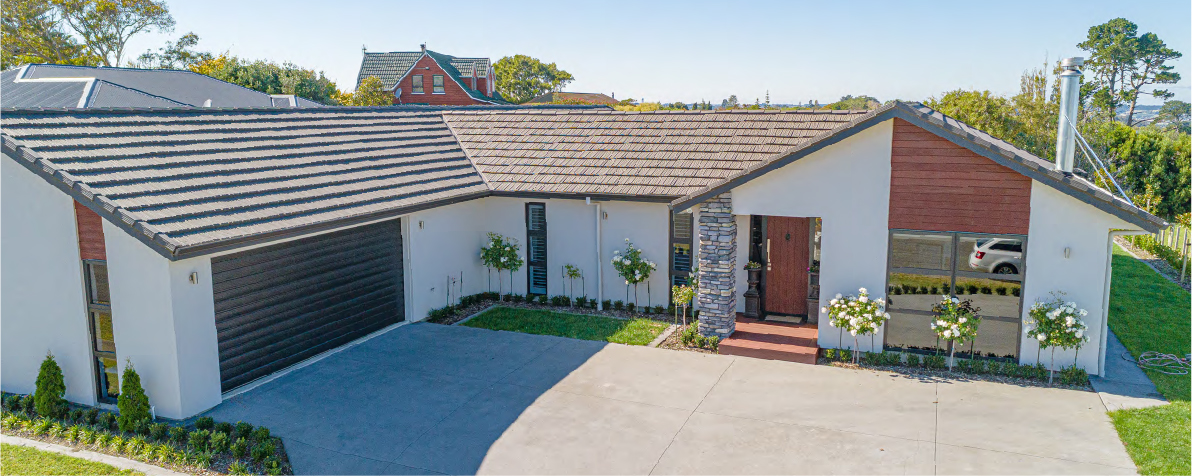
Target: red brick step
pixel 773 341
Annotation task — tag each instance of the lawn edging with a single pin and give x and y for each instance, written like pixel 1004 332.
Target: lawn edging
pixel 114 461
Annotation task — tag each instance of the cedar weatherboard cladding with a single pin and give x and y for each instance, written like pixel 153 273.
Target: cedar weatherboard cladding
pixel 90 230
pixel 278 305
pixel 939 186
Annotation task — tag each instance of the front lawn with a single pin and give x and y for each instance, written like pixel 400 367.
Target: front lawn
pixel 1148 312
pixel 541 322
pixel 24 460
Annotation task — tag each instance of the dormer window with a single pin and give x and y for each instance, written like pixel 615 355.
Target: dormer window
pixel 438 79
pixel 417 88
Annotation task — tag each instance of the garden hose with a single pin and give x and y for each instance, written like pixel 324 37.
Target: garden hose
pixel 1167 364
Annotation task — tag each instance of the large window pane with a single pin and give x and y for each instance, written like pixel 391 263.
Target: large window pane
pixel 109 375
pixel 99 292
pixel 916 291
pixel 998 255
pixel 910 332
pixel 996 338
pixel 921 251
pixel 993 297
pixel 104 342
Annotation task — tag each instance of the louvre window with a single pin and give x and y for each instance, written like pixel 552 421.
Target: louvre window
pixel 417 80
pixel 103 341
pixel 438 84
pixel 536 248
pixel 682 243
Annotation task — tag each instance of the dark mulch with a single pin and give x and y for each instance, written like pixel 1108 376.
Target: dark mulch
pixel 473 309
pixel 954 375
pixel 675 342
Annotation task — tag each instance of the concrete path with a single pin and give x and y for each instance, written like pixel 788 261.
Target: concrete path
pixel 426 399
pixel 114 461
pixel 1124 385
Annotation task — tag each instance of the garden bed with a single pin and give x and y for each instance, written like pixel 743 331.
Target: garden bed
pixel 680 340
pixel 470 305
pixel 935 367
pixel 194 449
pixel 635 331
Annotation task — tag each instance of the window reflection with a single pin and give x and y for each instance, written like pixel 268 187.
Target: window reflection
pixel 923 251
pixel 989 255
pixel 909 331
pixel 994 297
pixel 916 291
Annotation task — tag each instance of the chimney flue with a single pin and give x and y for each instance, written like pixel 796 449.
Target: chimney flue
pixel 1065 140
pixel 424 47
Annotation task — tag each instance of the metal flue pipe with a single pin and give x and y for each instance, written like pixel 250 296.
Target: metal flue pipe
pixel 1065 141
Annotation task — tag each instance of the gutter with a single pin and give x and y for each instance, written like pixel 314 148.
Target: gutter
pixel 599 259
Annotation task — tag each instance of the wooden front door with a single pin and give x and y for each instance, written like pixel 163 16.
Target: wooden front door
pixel 786 265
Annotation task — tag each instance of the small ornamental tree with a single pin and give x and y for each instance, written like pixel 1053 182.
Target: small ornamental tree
pixel 858 315
pixel 681 296
pixel 634 268
pixel 1057 323
pixel 51 388
pixel 501 254
pixel 955 321
pixel 133 403
pixel 572 273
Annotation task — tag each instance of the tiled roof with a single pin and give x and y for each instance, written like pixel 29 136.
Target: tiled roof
pixel 391 67
pixel 601 151
pixel 190 179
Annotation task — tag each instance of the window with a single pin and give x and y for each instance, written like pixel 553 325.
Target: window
pixel 536 248
pixel 682 241
pixel 103 344
pixel 438 84
pixel 986 269
pixel 417 86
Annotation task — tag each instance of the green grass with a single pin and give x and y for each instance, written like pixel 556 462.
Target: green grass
pixel 575 326
pixel 24 460
pixel 1148 312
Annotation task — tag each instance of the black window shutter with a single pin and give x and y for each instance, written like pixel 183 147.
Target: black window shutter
pixel 536 248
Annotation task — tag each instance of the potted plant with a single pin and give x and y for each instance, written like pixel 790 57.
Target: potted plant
pixel 1057 323
pixel 858 315
pixel 813 273
pixel 955 322
pixel 753 300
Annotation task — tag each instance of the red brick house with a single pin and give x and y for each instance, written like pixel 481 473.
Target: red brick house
pixel 427 77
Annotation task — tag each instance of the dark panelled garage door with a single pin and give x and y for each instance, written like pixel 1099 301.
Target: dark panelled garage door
pixel 278 305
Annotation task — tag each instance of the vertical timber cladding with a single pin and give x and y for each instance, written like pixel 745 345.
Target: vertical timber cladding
pixel 278 305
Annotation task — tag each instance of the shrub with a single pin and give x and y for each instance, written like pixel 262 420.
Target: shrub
pixel 1074 376
pixel 631 307
pixel 581 301
pixel 223 427
pixel 687 337
pixel 91 416
pixel 260 434
pixel 116 443
pixel 700 341
pixel 964 365
pixel 102 438
pixel 57 430
pixel 158 431
pixel 972 289
pixel 518 298
pixel 908 289
pixel 239 448
pixel 895 290
pixel 618 305
pixel 133 403
pixel 135 445
pixel 986 290
pixel 912 360
pixel 272 465
pixel 935 290
pixel 178 435
pixel 1001 290
pixel 845 354
pixel 507 298
pixel 946 289
pixel 12 402
pixel 923 289
pixel 75 416
pixel 75 432
pixel 87 436
pixel 935 361
pixel 105 420
pixel 51 387
pixel 204 423
pixel 606 304
pixel 243 430
pixel 1016 292
pixel 202 459
pixel 199 440
pixel 830 354
pixel 542 299
pixel 238 468
pixel 714 343
pixel 262 450
pixel 659 310
pixel 219 442
pixel 959 291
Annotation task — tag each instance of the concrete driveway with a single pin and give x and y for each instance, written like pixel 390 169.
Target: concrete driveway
pixel 425 399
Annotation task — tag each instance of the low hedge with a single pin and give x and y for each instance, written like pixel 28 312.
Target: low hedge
pixel 1071 375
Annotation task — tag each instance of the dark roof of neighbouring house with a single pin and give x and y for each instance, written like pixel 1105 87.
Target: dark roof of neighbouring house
pixel 391 67
pixel 589 98
pixel 46 85
pixel 192 181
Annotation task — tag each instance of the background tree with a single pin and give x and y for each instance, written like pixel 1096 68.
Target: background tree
pixel 521 78
pixel 1122 63
pixel 730 103
pixel 371 92
pixel 180 54
pixel 270 78
pixel 32 32
pixel 106 25
pixel 1174 116
pixel 855 103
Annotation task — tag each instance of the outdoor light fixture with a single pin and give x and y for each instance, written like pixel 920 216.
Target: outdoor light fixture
pixel 1067 252
pixel 421 224
pixel 194 277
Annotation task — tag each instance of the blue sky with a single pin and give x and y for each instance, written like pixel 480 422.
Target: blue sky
pixel 690 50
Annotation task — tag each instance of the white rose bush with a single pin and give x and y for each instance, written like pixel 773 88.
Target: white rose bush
pixel 1057 323
pixel 634 268
pixel 955 321
pixel 501 254
pixel 859 315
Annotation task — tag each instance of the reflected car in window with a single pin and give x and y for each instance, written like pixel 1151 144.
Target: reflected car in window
pixel 997 255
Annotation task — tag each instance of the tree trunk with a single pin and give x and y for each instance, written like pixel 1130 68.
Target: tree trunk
pixel 1051 370
pixel 952 357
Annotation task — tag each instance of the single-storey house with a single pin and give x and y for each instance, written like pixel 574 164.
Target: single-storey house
pixel 212 247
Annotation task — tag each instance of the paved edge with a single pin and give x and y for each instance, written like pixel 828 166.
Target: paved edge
pixel 477 313
pixel 662 337
pixel 118 462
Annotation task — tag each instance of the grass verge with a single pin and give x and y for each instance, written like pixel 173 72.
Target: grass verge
pixel 1148 312
pixel 575 326
pixel 25 460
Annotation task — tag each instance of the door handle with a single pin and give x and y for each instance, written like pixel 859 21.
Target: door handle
pixel 767 254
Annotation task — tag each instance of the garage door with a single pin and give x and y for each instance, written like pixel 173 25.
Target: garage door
pixel 278 305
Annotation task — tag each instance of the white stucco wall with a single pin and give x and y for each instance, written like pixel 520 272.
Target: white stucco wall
pixel 443 242
pixel 848 185
pixel 164 324
pixel 42 300
pixel 1059 221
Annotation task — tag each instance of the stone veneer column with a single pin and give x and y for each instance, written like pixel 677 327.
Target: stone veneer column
pixel 717 267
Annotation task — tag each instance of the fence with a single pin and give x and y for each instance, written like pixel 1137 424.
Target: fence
pixel 1178 242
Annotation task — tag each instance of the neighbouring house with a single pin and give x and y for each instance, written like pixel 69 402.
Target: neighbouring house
pixel 573 98
pixel 214 247
pixel 52 85
pixel 430 78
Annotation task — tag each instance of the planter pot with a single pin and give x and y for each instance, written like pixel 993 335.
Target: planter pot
pixel 813 278
pixel 753 300
pixel 813 310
